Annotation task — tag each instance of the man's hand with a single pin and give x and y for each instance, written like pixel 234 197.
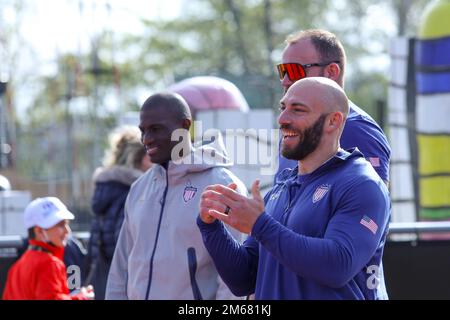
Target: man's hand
pixel 88 292
pixel 242 212
pixel 206 204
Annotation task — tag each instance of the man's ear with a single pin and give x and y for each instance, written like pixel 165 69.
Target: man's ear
pixel 187 124
pixel 333 71
pixel 335 121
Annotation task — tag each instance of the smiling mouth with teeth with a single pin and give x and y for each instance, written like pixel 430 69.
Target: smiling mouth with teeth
pixel 151 151
pixel 289 134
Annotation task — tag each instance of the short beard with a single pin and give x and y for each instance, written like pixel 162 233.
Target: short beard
pixel 310 139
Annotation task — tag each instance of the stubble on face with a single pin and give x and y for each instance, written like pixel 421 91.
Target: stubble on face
pixel 309 140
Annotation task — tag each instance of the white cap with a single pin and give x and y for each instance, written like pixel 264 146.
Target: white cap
pixel 46 212
pixel 4 184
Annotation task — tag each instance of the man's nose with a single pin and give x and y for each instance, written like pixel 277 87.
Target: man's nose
pixel 283 118
pixel 146 138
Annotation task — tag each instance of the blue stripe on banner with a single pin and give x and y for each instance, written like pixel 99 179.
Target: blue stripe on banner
pixel 433 82
pixel 435 52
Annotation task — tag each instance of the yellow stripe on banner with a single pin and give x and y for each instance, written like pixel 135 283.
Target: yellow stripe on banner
pixel 435 191
pixel 434 154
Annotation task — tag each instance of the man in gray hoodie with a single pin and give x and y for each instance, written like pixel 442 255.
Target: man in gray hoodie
pixel 160 253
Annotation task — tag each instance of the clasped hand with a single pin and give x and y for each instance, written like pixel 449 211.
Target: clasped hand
pixel 242 213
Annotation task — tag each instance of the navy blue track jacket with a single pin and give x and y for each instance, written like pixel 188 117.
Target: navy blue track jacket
pixel 321 236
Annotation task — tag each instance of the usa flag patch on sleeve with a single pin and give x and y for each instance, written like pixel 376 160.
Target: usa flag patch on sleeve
pixel 375 162
pixel 369 224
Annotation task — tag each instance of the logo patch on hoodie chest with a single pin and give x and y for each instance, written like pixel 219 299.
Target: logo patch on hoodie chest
pixel 320 192
pixel 189 192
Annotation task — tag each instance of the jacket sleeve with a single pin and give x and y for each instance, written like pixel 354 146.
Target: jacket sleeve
pixel 371 141
pixel 116 286
pixel 352 236
pixel 235 262
pixel 223 292
pixel 119 221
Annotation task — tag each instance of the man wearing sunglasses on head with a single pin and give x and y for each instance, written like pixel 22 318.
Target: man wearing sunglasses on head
pixel 319 53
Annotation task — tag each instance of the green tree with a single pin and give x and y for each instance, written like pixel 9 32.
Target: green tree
pixel 231 39
pixel 11 46
pixel 68 123
pixel 242 40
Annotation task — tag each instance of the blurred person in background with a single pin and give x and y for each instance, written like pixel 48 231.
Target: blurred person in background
pixel 124 161
pixel 40 273
pixel 75 252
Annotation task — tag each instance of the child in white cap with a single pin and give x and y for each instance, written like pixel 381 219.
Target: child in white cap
pixel 40 273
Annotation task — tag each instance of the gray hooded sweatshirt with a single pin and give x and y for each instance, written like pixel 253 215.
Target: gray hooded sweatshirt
pixel 160 252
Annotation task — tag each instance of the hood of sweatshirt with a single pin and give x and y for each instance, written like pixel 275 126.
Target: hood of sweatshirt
pixel 203 156
pixel 120 174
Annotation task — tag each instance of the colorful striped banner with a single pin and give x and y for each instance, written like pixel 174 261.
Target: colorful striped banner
pixel 434 154
pixel 435 192
pixel 432 60
pixel 435 214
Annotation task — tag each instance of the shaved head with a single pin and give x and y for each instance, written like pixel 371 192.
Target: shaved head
pixel 169 103
pixel 313 114
pixel 327 95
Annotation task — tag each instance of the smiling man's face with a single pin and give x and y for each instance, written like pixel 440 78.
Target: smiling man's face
pixel 157 125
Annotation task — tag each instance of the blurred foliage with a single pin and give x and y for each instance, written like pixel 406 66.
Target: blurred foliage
pixel 242 40
pixel 67 123
pixel 226 39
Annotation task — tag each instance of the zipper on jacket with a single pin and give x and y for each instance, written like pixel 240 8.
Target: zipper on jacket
pixel 192 262
pixel 288 210
pixel 150 273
